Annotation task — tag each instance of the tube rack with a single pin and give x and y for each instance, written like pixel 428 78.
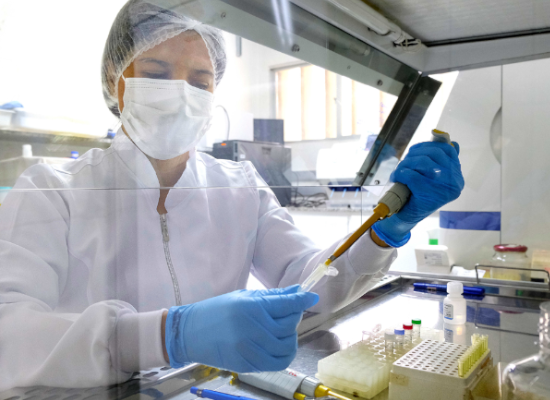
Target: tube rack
pixel 430 371
pixel 362 369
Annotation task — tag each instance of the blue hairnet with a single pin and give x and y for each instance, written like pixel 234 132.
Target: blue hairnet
pixel 140 26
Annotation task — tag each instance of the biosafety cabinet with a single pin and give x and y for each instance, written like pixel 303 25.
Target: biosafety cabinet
pixel 355 84
pixel 329 68
pixel 496 105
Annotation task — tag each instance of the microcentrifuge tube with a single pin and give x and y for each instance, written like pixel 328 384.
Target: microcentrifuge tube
pixel 367 336
pixel 389 341
pixel 314 278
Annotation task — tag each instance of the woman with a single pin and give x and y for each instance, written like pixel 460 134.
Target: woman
pixel 148 268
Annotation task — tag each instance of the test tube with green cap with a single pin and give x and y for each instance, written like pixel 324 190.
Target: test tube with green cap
pixel 417 324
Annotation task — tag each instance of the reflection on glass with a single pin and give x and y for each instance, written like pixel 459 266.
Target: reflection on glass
pixel 319 104
pixel 265 195
pixel 134 254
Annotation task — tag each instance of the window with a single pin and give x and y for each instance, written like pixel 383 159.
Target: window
pixel 319 104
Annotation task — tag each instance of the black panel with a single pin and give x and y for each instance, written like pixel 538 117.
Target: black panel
pixel 271 160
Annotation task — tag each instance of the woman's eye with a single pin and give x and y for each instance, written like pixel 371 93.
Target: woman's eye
pixel 203 86
pixel 151 75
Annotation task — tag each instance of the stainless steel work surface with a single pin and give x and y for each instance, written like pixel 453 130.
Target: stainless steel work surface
pixel 510 323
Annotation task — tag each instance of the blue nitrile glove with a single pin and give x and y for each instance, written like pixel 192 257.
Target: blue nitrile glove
pixel 12 105
pixel 241 331
pixel 432 172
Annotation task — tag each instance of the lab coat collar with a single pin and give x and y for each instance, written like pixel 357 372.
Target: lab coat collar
pixel 146 176
pixel 135 160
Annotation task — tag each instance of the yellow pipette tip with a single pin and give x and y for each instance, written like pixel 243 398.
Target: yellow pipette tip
pixel 323 391
pixel 442 135
pixel 338 396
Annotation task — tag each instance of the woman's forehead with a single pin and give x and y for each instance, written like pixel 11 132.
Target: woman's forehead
pixel 187 49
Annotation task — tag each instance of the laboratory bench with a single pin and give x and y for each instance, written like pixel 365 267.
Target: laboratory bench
pixel 508 318
pixel 45 144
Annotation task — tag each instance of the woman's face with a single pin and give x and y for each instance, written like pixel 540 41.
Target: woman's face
pixel 184 57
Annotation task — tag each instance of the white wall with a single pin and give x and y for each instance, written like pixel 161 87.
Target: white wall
pixel 499 115
pixel 469 117
pixel 247 85
pixel 525 154
pixel 50 55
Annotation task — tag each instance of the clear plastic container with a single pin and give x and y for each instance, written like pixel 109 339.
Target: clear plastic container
pixel 315 277
pixel 510 255
pixel 389 341
pixel 399 341
pixel 529 378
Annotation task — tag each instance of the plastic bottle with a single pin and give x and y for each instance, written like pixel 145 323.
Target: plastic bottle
pixel 455 333
pixel 454 305
pixel 27 150
pixel 529 378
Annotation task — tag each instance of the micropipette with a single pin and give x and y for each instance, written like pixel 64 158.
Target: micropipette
pixel 392 201
pixel 290 384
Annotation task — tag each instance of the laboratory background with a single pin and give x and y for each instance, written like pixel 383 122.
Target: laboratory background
pixel 323 98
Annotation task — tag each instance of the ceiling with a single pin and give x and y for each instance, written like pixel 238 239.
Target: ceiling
pixel 443 21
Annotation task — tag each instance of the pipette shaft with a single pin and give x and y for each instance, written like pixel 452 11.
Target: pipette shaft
pixel 392 201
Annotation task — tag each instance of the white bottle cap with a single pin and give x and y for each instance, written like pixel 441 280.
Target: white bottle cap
pixel 27 150
pixel 455 288
pixel 389 335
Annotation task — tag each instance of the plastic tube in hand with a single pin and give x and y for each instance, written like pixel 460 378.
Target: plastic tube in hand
pixel 315 277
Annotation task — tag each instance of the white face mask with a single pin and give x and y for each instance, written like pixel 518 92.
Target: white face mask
pixel 165 118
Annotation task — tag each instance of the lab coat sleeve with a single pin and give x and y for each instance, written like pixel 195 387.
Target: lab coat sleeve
pixel 37 345
pixel 283 255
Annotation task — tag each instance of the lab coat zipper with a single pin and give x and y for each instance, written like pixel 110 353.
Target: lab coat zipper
pixel 165 240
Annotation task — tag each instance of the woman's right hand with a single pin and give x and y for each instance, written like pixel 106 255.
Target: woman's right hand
pixel 241 331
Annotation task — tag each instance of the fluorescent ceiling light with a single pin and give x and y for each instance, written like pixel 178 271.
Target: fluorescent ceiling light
pixel 372 19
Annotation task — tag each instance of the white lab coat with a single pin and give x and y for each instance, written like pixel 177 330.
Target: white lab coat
pixel 86 269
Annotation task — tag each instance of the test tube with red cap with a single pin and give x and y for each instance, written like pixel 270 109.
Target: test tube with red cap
pixel 408 328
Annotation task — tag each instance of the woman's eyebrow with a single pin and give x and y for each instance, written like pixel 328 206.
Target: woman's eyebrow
pixel 155 61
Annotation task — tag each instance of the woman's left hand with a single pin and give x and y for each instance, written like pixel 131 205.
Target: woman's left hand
pixel 433 174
